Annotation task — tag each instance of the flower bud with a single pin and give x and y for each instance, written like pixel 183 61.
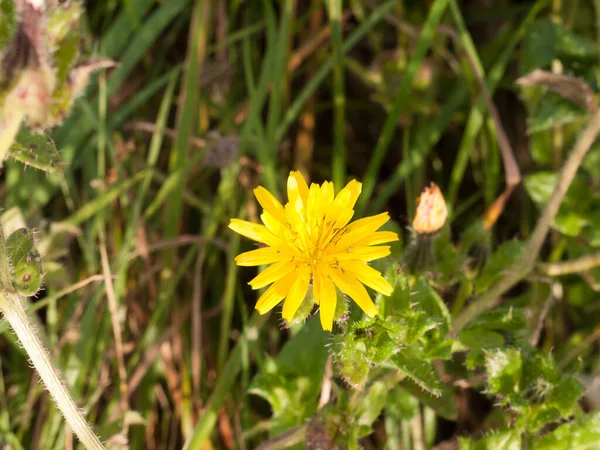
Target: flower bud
pixel 431 211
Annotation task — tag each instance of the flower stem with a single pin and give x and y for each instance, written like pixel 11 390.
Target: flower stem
pixel 11 306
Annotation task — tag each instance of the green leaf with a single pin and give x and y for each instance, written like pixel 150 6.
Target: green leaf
pixel 36 149
pixel 547 41
pixel 444 405
pixel 291 383
pixel 410 326
pixel 8 21
pixel 495 329
pixel 553 110
pixel 480 338
pixel 411 362
pixel 500 261
pixel 371 406
pixel 497 440
pixel 306 351
pixel 401 404
pixel 573 214
pixel 400 298
pixel 351 359
pixel 426 299
pixel 382 347
pixel 581 434
pixel 504 370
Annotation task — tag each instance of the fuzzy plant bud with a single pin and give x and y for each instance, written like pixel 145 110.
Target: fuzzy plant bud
pixel 430 217
pixel 431 212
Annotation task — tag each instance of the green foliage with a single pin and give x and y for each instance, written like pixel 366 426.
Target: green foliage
pixel 150 162
pixel 547 41
pixel 578 208
pixel 500 261
pixel 291 382
pixel 530 383
pixel 8 21
pixel 499 439
pixel 25 262
pixel 581 434
pixel 39 75
pixel 36 149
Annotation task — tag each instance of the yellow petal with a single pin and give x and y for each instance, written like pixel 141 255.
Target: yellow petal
pixel 344 202
pixel 297 190
pixel 296 295
pixel 365 254
pixel 275 294
pixel 312 224
pixel 273 273
pixel 379 237
pixel 296 233
pixel 255 231
pixel 317 283
pixel 269 203
pixel 328 303
pixel 262 256
pixel 325 200
pixel 354 289
pixel 273 224
pixel 356 231
pixel 367 275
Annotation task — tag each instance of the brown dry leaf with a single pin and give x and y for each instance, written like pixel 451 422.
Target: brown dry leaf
pixel 572 88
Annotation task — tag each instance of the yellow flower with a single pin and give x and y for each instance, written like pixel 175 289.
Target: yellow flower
pixel 431 211
pixel 310 241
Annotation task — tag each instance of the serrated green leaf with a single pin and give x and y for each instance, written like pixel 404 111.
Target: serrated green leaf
pixel 426 299
pixel 497 440
pixel 410 361
pixel 409 326
pixel 504 369
pixel 36 149
pixel 351 359
pixel 500 261
pixel 444 405
pixel 382 347
pixel 565 395
pixel 400 298
pixel 581 434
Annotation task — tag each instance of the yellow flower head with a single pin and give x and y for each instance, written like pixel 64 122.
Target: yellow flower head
pixel 431 211
pixel 310 240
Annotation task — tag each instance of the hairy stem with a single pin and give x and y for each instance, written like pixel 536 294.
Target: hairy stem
pixel 11 306
pixel 526 263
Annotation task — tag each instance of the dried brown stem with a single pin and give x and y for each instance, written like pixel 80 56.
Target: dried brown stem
pixel 525 264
